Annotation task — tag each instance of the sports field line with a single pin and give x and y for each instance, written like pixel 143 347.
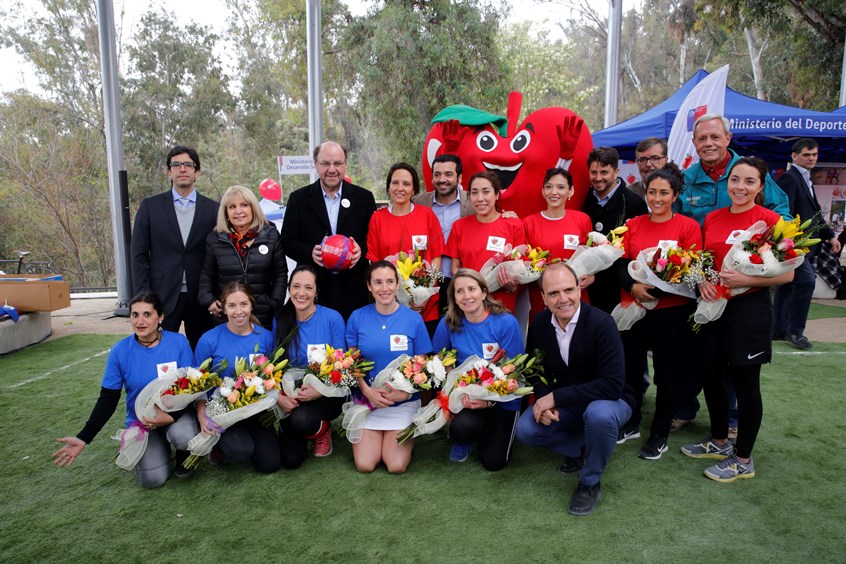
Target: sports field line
pixel 807 353
pixel 65 367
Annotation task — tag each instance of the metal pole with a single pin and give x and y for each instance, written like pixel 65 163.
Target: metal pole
pixel 315 76
pixel 612 61
pixel 843 78
pixel 114 153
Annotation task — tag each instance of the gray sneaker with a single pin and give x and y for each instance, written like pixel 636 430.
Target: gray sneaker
pixel 731 469
pixel 708 449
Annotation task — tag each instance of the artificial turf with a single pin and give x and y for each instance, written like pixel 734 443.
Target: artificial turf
pixel 657 511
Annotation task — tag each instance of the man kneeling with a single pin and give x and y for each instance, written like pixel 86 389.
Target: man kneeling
pixel 580 409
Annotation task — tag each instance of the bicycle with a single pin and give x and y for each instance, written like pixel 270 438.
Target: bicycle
pixel 24 267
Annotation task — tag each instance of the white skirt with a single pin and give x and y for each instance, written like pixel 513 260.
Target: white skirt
pixel 393 418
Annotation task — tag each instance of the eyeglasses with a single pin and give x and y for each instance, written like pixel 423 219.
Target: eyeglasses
pixel 654 159
pixel 175 165
pixel 327 164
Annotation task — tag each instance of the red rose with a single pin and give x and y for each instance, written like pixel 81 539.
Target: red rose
pixel 335 377
pixel 168 392
pixel 756 238
pixel 184 383
pixel 756 259
pixel 791 254
pixel 675 259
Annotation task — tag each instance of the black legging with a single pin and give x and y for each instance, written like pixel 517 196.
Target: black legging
pixel 303 423
pixel 251 439
pixel 667 332
pixel 493 428
pixel 750 407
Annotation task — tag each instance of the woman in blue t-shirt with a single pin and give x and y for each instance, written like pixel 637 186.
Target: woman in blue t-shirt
pixel 133 363
pixel 302 325
pixel 241 336
pixel 476 324
pixel 383 331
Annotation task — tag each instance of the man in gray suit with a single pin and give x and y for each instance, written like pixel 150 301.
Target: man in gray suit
pixel 169 244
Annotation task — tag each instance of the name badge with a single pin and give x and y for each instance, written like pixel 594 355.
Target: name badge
pixel 666 245
pixel 399 342
pixel 734 237
pixel 420 242
pixel 489 350
pixel 165 370
pixel 495 244
pixel 571 241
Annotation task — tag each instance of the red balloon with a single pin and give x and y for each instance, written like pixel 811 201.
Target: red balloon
pixel 270 189
pixel 337 250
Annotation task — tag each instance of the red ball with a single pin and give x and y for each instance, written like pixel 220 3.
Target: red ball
pixel 337 250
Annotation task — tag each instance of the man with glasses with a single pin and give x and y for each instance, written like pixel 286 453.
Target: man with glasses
pixel 328 207
pixel 650 155
pixel 168 245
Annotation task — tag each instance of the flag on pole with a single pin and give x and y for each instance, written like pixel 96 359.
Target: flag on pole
pixel 707 97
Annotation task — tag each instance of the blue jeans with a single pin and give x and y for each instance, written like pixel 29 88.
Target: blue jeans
pixel 792 301
pixel 595 427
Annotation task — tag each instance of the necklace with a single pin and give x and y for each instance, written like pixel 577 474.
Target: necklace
pixel 148 344
pixel 384 318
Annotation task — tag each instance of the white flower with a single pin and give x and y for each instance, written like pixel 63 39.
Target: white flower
pixel 228 382
pixel 256 381
pixel 498 373
pixel 260 388
pixel 741 257
pixel 317 355
pixel 436 368
pixel 193 373
pixel 598 238
pixel 769 258
pixel 224 391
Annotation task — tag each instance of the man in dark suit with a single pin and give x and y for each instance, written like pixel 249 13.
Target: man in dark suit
pixel 792 301
pixel 331 206
pixel 169 244
pixel 585 401
pixel 609 205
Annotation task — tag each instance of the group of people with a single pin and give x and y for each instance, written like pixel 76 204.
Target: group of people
pixel 222 271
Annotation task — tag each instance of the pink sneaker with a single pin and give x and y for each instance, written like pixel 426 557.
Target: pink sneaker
pixel 323 440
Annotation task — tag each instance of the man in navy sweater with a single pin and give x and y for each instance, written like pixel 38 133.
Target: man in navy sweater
pixel 584 402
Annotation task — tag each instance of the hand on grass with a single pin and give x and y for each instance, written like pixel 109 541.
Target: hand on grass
pixel 68 453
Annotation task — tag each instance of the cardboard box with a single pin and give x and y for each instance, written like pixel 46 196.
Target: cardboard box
pixel 34 292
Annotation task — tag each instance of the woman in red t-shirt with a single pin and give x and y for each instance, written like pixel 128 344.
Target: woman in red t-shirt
pixel 402 226
pixel 739 342
pixel 665 328
pixel 476 238
pixel 557 230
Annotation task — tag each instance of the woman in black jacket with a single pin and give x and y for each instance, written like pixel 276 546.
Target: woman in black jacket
pixel 244 246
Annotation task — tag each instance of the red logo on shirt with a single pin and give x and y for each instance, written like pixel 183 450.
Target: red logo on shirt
pixel 164 368
pixel 490 348
pixel 396 340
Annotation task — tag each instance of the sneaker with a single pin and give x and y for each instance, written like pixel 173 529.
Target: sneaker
pixel 732 434
pixel 216 456
pixel 800 342
pixel 777 336
pixel 584 499
pixel 459 452
pixel 731 469
pixel 180 471
pixel 679 423
pixel 628 431
pixel 708 449
pixel 323 441
pixel 653 449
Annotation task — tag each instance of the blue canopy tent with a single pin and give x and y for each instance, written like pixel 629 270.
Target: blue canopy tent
pixel 759 128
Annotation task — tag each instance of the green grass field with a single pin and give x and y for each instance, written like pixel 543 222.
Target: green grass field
pixel 655 511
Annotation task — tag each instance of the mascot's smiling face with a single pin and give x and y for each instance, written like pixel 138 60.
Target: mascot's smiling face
pixel 520 156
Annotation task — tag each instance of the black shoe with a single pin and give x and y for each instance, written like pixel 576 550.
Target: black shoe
pixel 627 432
pixel 778 336
pixel 653 449
pixel 571 465
pixel 180 471
pixel 584 499
pixel 798 342
pixel 216 456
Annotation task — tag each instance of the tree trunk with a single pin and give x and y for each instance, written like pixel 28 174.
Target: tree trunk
pixel 682 60
pixel 755 52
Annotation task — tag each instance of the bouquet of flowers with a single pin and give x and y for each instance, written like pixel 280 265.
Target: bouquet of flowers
pixel 253 391
pixel 420 280
pixel 672 269
pixel 599 252
pixel 169 394
pixel 500 379
pixel 405 373
pixel 522 263
pixel 764 251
